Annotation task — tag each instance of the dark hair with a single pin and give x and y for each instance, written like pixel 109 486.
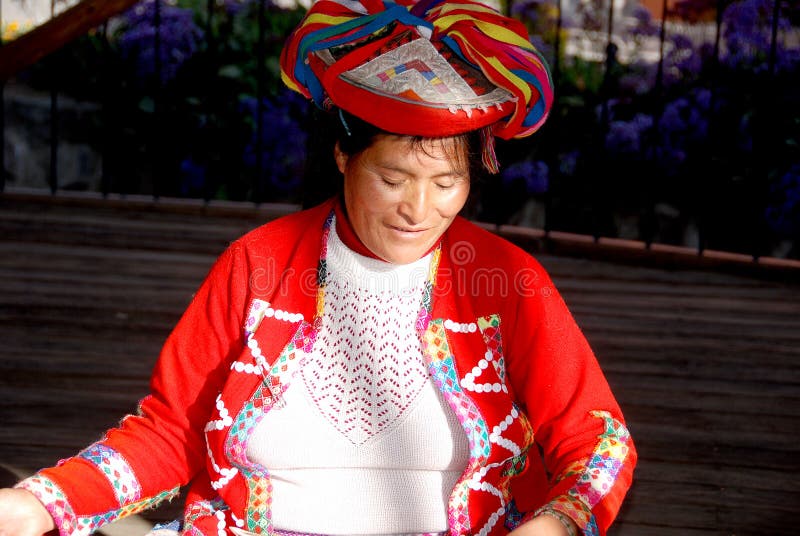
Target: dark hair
pixel 322 178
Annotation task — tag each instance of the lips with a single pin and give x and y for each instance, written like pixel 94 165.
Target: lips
pixel 407 230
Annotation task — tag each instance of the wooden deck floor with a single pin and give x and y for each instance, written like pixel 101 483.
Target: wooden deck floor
pixel 706 364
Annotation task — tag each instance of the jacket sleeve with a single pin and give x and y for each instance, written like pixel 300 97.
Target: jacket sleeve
pixel 586 448
pixel 152 454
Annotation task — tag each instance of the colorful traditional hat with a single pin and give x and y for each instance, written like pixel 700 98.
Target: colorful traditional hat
pixel 432 68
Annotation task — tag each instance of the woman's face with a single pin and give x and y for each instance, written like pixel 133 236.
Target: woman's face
pixel 401 197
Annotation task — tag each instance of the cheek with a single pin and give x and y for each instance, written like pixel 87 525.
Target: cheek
pixel 356 197
pixel 452 205
pixel 375 199
pixel 362 190
pixel 366 206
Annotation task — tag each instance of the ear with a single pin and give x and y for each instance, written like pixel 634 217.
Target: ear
pixel 341 158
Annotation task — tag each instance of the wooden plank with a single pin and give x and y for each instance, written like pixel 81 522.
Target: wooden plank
pixel 651 473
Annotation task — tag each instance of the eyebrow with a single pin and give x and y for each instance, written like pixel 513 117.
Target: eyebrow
pixel 450 173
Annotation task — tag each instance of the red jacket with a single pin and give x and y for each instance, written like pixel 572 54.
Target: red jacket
pixel 543 426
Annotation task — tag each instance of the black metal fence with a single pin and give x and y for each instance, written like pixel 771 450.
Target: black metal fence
pixel 679 124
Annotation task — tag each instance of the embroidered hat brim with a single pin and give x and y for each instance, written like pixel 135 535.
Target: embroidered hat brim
pixel 431 69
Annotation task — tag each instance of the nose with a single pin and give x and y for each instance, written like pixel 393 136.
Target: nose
pixel 415 203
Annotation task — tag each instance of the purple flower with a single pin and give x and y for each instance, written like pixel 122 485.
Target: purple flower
pixel 622 137
pixel 179 35
pixel 638 78
pixel 544 48
pixel 625 137
pixel 702 97
pixel 283 144
pixel 528 9
pixel 681 41
pixel 683 128
pixel 234 7
pixel 533 174
pixel 568 163
pixel 783 213
pixel 682 62
pixel 745 134
pixel 644 25
pixel 747 34
pixel 193 177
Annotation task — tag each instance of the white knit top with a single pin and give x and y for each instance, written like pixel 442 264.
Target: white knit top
pixel 365 443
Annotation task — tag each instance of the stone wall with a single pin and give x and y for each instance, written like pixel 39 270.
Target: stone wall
pixel 27 141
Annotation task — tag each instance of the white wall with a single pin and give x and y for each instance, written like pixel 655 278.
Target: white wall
pixel 28 13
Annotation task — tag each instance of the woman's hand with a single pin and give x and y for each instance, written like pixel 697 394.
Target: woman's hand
pixel 543 525
pixel 21 514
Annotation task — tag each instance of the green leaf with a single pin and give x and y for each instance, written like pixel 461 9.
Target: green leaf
pixel 230 71
pixel 147 105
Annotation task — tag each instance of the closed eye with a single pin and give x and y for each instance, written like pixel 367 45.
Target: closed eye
pixel 447 182
pixel 391 183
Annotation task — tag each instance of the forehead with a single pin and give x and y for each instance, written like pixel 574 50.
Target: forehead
pixel 450 152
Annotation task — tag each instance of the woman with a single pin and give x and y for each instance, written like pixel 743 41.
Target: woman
pixel 376 364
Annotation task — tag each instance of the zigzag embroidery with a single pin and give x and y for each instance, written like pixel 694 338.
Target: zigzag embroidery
pixel 255 352
pixel 468 382
pixel 260 309
pixel 493 519
pixel 476 483
pixel 226 473
pixel 496 435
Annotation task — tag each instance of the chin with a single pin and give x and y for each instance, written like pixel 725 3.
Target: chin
pixel 407 257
